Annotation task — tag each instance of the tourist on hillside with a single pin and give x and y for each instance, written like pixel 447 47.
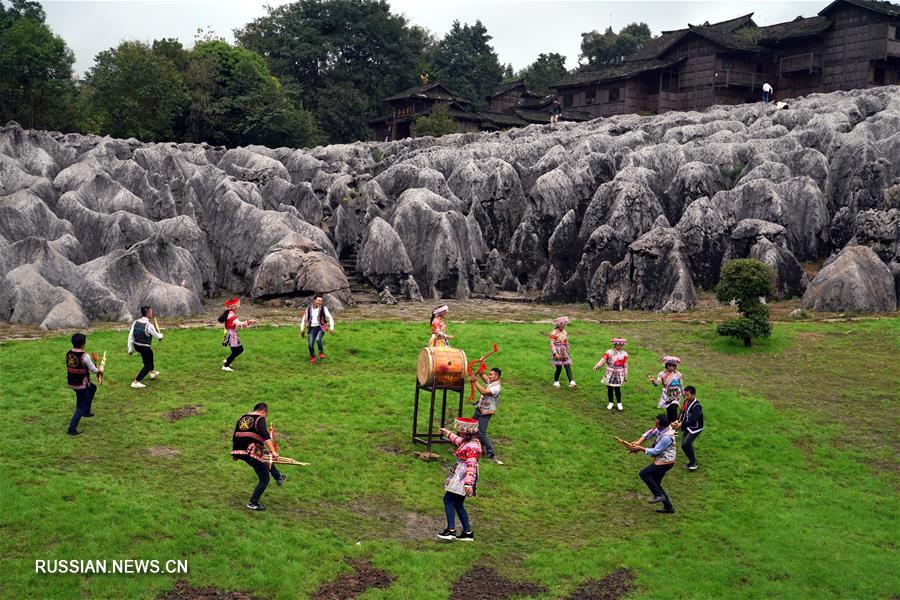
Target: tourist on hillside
pixel 663 453
pixel 555 111
pixel 79 367
pixel 691 422
pixel 616 362
pixel 559 351
pixel 229 318
pixel 673 386
pixel 439 336
pixel 139 338
pixel 462 480
pixel 251 435
pixel 486 407
pixel 767 91
pixel 315 317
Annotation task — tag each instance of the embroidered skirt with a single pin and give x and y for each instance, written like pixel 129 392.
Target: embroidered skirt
pixel 614 376
pixel 456 477
pixel 562 352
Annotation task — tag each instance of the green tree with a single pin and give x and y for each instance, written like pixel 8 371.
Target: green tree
pixel 544 72
pixel 355 51
pixel 467 64
pixel 607 49
pixel 437 123
pixel 235 100
pixel 36 85
pixel 136 92
pixel 744 282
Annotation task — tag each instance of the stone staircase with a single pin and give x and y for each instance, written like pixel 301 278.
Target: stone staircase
pixel 360 289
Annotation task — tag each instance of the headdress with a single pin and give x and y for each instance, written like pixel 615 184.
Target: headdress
pixel 674 360
pixel 464 425
pixel 440 310
pixel 232 303
pixel 619 341
pixel 561 321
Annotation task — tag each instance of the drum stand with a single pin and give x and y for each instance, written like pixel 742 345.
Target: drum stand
pixel 433 437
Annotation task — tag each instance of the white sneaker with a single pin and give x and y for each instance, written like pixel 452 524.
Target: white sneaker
pixel 224 360
pixel 137 384
pixel 556 384
pixel 619 406
pixel 609 406
pixel 154 374
pixel 224 368
pixel 573 384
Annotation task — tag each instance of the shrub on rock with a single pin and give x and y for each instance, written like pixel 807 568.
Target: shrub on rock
pixel 745 282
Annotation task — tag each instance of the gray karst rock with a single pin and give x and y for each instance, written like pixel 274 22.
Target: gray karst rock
pixel 855 280
pixel 580 211
pixel 653 276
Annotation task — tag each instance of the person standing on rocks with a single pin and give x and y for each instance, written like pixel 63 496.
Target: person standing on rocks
pixel 79 367
pixel 616 362
pixel 139 338
pixel 439 336
pixel 691 421
pixel 315 317
pixel 230 319
pixel 555 111
pixel 559 351
pixel 767 91
pixel 462 480
pixel 673 387
pixel 663 453
pixel 250 436
pixel 486 407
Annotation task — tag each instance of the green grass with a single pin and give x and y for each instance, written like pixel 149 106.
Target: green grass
pixel 796 496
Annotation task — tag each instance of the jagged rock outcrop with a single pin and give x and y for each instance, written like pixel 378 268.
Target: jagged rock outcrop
pixel 571 212
pixel 856 280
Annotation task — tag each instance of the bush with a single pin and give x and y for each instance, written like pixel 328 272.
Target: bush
pixel 745 282
pixel 377 154
pixel 438 123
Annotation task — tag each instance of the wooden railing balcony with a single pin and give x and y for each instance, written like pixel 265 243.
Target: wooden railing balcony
pixel 808 62
pixel 893 47
pixel 735 78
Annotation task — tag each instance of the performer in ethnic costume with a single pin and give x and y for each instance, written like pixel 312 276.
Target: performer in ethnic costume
pixel 250 436
pixel 673 386
pixel 315 316
pixel 79 367
pixel 486 407
pixel 462 480
pixel 559 351
pixel 230 319
pixel 139 338
pixel 439 335
pixel 691 421
pixel 616 362
pixel 663 453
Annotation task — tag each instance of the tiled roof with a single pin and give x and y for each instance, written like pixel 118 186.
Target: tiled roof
pixel 658 45
pixel 798 28
pixel 504 119
pixel 727 39
pixel 534 116
pixel 885 8
pixel 511 86
pixel 434 91
pixel 626 69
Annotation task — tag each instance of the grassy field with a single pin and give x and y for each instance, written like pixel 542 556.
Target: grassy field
pixel 796 496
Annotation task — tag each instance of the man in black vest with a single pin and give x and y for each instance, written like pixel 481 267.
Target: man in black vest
pixel 318 319
pixel 691 421
pixel 250 436
pixel 139 338
pixel 79 367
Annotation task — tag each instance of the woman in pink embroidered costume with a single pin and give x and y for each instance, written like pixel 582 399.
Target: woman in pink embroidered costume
pixel 229 318
pixel 616 362
pixel 559 351
pixel 673 387
pixel 439 335
pixel 462 480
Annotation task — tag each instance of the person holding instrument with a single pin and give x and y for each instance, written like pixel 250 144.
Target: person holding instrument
pixel 462 480
pixel 486 407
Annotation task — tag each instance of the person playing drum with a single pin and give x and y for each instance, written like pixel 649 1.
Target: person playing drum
pixel 462 480
pixel 673 387
pixel 616 362
pixel 439 335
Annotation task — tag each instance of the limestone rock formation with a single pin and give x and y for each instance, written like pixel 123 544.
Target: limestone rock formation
pixel 855 280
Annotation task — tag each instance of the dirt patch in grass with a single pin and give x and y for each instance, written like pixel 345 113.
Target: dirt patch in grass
pixel 613 586
pixel 393 450
pixel 163 452
pixel 184 591
pixel 484 583
pixel 182 413
pixel 350 585
pixel 412 525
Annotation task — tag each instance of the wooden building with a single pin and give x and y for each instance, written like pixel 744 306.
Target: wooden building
pixel 850 44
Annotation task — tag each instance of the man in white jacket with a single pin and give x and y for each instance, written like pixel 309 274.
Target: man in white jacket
pixel 139 338
pixel 315 318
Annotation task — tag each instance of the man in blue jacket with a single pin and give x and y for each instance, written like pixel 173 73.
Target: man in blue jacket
pixel 691 422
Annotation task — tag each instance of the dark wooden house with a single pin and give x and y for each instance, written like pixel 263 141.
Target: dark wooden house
pixel 510 95
pixel 420 101
pixel 850 44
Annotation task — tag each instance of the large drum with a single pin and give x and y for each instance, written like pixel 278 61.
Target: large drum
pixel 442 367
